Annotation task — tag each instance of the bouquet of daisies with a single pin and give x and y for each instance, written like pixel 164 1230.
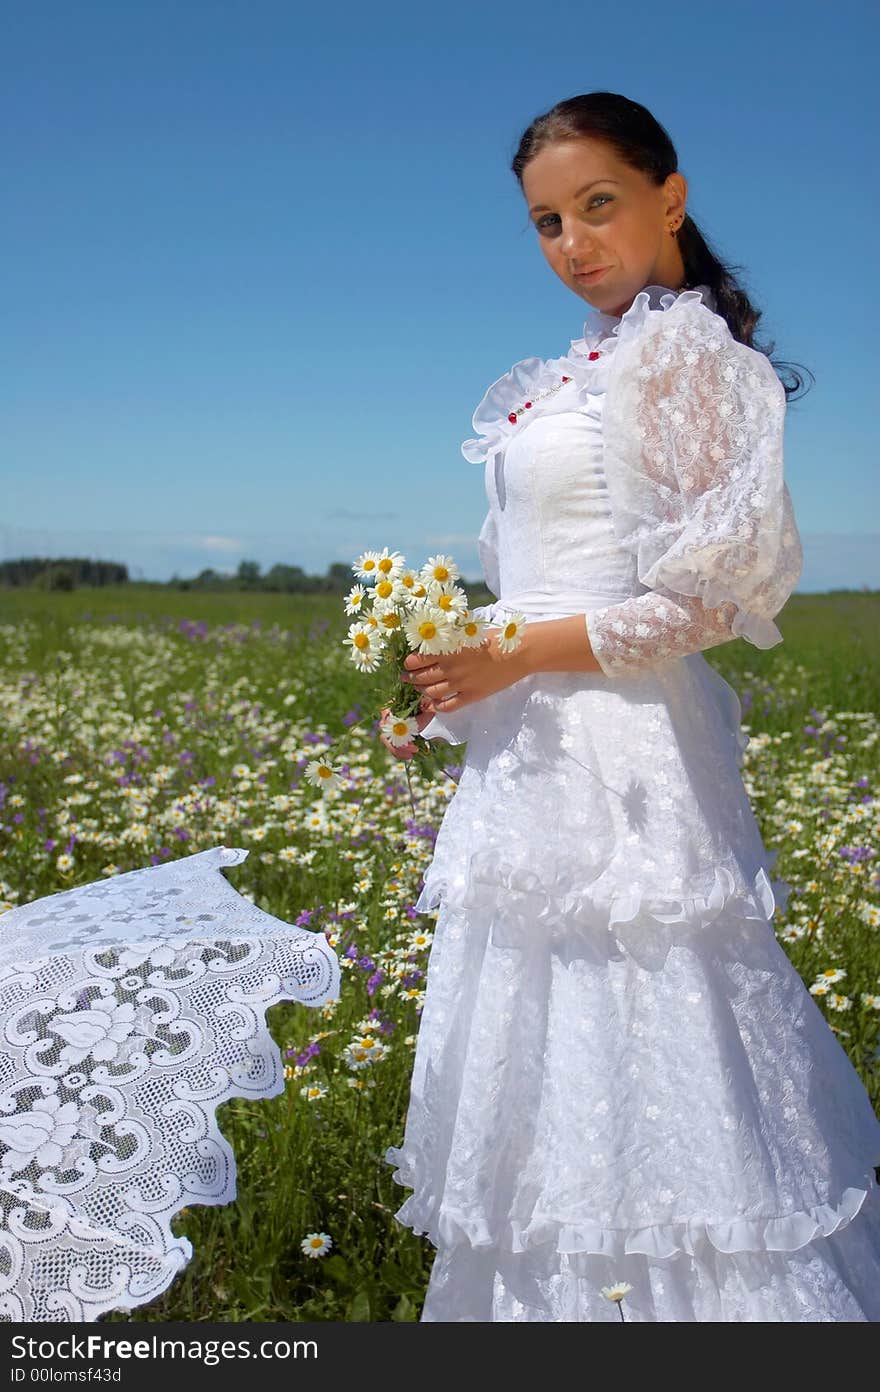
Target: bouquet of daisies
pixel 398 610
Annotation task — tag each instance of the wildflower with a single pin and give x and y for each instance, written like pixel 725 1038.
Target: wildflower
pixel 322 774
pixel 354 601
pixel 313 1092
pixel 316 1244
pixel 399 729
pixel 471 630
pixel 510 633
pixel 64 862
pixel 366 646
pixel 616 1292
pixel 451 599
pixel 428 630
pixel 439 569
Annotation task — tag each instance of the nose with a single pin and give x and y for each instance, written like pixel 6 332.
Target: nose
pixel 576 246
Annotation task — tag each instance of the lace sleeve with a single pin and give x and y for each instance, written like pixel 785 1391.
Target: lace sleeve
pixel 693 426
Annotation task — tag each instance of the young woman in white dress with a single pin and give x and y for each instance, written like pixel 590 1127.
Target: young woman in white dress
pixel 619 1076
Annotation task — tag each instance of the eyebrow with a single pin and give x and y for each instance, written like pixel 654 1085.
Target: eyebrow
pixel 539 207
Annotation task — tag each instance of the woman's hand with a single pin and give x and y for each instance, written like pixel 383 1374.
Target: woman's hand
pixel 423 718
pixel 454 680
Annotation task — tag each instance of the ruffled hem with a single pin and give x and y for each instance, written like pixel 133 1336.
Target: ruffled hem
pixel 523 911
pixel 779 1233
pixel 528 378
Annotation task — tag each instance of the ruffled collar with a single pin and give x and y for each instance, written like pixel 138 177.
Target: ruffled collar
pixel 554 384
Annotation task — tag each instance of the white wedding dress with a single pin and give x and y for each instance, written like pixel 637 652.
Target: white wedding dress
pixel 619 1074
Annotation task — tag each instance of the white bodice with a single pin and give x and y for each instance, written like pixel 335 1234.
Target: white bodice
pixel 549 496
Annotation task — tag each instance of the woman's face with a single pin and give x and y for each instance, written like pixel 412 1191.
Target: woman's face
pixel 621 221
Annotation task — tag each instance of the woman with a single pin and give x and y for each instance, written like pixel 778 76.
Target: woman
pixel 620 1076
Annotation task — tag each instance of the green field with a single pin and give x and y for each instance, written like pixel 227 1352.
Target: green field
pixel 145 723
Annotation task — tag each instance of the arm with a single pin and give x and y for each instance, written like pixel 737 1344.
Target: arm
pixel 694 426
pixel 622 638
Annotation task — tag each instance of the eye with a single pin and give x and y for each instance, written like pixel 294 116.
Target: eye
pixel 597 198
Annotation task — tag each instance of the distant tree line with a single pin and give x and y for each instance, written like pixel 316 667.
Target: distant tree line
pixel 61 572
pixel 68 573
pixel 280 579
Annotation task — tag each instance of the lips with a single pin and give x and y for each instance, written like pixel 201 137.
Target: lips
pixel 591 275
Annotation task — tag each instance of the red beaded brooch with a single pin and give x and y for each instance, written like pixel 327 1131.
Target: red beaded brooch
pixel 515 415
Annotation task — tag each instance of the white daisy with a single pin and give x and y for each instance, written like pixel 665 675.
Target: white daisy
pixel 367 565
pixel 510 633
pixel 450 598
pixel 428 630
pixel 322 774
pixel 367 644
pixel 399 729
pixel 616 1292
pixel 390 563
pixel 316 1244
pixel 356 599
pixel 471 631
pixel 439 569
pixel 389 618
pixel 387 591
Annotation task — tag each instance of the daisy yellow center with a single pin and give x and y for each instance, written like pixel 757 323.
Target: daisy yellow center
pixel 509 630
pixel 470 629
pixel 385 564
pixel 400 727
pixel 427 630
pixel 408 581
pixel 324 771
pixel 441 573
pixel 384 588
pixel 372 621
pixel 362 641
pixel 391 620
pixel 445 601
pixel 369 565
pixel 317 1242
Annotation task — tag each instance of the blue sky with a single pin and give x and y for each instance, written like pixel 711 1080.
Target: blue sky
pixel 262 259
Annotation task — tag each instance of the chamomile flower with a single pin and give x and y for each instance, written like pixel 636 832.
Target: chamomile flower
pixel 450 598
pixel 831 975
pixel 471 631
pixel 439 570
pixel 322 774
pixel 410 581
pixel 316 1244
pixel 366 567
pixel 399 729
pixel 356 599
pixel 366 646
pixel 64 862
pixel 617 1291
pixel 389 619
pixel 387 591
pixel 313 1092
pixel 510 632
pixel 428 630
pixel 390 563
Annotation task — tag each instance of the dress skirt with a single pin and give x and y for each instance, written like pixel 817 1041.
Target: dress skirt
pixel 619 1074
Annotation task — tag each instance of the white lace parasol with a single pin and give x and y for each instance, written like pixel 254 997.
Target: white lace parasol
pixel 130 1009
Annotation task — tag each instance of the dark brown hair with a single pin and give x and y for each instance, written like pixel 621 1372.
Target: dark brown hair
pixel 640 141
